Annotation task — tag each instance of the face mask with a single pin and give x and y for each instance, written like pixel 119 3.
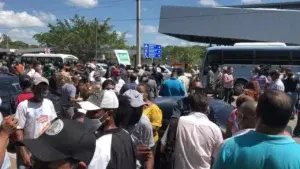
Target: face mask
pixel 97 123
pixel 42 94
pixel 237 122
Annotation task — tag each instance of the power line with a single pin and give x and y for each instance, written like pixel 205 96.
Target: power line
pixel 163 18
pixel 102 5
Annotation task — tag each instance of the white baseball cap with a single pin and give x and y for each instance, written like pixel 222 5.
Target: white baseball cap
pixel 106 99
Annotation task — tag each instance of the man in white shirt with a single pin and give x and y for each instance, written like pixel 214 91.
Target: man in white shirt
pixel 34 116
pixel 116 77
pixel 34 65
pixel 197 138
pixel 92 72
pixel 183 79
pixel 276 83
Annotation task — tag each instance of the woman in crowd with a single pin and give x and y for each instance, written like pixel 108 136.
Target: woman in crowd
pixel 253 90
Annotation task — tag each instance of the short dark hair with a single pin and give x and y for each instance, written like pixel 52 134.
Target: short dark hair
pixel 25 82
pixel 133 77
pixel 198 102
pixel 274 108
pixel 107 82
pixel 35 63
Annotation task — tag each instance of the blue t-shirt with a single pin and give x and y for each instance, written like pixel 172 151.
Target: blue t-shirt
pixel 172 87
pixel 255 150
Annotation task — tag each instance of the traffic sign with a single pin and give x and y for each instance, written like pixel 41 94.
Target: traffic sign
pixel 152 51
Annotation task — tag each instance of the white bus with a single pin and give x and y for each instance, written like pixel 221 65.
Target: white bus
pixel 243 58
pixel 49 58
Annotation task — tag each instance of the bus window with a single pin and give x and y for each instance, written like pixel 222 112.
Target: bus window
pixel 212 57
pixel 238 57
pixel 272 57
pixel 296 57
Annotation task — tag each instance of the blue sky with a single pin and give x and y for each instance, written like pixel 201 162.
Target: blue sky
pixel 22 20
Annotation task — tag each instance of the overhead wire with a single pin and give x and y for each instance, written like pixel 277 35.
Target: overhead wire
pixel 167 18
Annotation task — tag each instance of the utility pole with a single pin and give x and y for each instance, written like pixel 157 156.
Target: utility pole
pixel 96 48
pixel 138 24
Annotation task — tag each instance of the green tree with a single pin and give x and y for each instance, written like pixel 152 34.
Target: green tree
pixel 190 55
pixel 77 36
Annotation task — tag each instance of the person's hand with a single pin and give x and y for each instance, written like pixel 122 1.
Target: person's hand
pixel 26 157
pixel 9 125
pixel 143 151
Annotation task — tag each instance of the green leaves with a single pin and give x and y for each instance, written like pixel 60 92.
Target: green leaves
pixel 77 36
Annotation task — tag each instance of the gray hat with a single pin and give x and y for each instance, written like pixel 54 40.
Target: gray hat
pixel 39 80
pixel 135 98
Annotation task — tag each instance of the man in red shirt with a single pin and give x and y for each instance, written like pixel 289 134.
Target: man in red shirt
pixel 26 85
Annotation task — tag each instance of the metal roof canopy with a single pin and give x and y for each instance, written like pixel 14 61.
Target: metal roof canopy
pixel 278 5
pixel 228 25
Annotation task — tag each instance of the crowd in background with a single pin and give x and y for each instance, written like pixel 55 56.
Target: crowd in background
pixel 80 117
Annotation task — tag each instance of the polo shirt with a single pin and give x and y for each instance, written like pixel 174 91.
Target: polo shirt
pixel 255 150
pixel 114 149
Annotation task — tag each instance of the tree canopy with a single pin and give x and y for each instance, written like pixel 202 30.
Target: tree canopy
pixel 6 42
pixel 78 36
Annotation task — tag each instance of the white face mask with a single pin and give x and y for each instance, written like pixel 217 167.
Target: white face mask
pixel 97 123
pixel 237 122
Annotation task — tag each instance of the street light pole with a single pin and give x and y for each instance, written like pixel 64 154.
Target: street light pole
pixel 96 51
pixel 138 24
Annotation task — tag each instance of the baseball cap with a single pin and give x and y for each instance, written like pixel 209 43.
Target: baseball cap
pixel 63 139
pixel 116 72
pixel 106 99
pixel 39 80
pixel 135 98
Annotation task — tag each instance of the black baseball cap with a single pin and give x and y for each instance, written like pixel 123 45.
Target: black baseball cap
pixel 62 140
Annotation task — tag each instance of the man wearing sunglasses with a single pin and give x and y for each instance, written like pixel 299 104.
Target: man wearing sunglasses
pixel 66 144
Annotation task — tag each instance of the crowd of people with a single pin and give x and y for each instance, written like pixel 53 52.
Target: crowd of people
pixel 81 118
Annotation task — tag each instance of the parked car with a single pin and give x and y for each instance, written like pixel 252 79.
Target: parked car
pixel 221 110
pixel 9 90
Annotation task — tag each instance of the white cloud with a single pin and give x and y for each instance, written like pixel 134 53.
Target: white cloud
pixel 2 4
pixel 128 35
pixel 251 1
pixel 44 16
pixel 119 33
pixel 209 3
pixel 22 35
pixel 149 28
pixel 84 3
pixel 19 19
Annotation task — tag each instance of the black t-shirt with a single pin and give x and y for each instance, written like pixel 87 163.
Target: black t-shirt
pixel 114 150
pixel 290 85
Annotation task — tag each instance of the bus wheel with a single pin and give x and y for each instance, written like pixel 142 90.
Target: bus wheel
pixel 239 87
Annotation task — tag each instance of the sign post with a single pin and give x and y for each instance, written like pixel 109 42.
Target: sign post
pixel 122 57
pixel 153 51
